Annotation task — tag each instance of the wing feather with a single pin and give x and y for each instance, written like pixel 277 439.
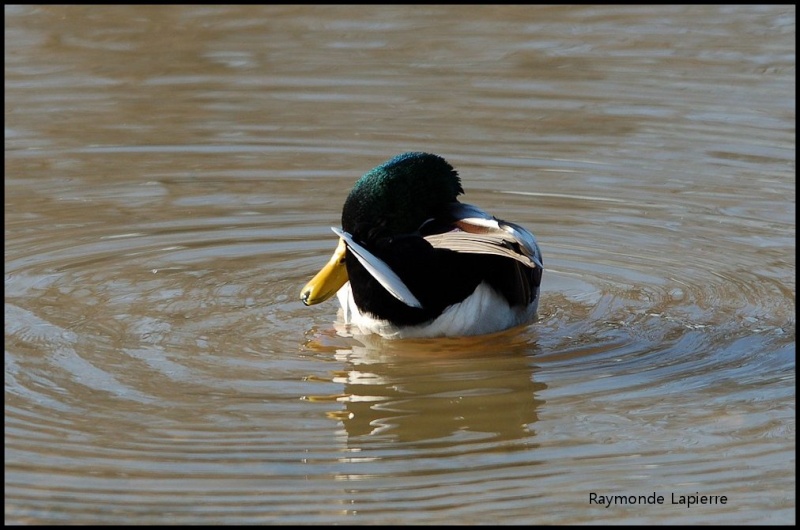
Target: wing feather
pixel 476 232
pixel 379 270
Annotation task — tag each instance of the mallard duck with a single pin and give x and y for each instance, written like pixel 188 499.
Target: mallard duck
pixel 412 261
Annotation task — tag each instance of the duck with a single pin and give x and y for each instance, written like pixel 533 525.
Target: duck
pixel 414 262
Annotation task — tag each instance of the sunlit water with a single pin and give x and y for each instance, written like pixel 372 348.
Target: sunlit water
pixel 171 177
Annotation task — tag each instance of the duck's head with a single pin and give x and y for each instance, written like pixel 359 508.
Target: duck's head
pixel 394 198
pixel 398 196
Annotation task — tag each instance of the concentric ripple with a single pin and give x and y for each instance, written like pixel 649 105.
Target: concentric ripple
pixel 156 367
pixel 171 177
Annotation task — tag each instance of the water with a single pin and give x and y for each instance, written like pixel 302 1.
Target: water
pixel 171 177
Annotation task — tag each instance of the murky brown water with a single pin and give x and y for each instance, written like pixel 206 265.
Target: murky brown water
pixel 171 176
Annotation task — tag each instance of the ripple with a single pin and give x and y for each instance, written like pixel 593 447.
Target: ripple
pixel 160 367
pixel 189 333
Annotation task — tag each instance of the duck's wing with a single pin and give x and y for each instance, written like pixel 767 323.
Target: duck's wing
pixel 379 270
pixel 473 231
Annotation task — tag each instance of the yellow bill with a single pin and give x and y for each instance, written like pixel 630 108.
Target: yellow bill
pixel 327 281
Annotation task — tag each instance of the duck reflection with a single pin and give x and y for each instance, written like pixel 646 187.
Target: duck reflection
pixel 412 391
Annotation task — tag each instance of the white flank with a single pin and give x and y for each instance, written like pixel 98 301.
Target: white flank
pixel 484 311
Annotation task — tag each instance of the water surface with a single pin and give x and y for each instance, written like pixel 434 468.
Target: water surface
pixel 171 177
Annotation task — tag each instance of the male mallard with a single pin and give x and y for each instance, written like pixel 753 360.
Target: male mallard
pixel 422 264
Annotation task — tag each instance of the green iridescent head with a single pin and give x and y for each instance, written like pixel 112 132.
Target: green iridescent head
pixel 399 195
